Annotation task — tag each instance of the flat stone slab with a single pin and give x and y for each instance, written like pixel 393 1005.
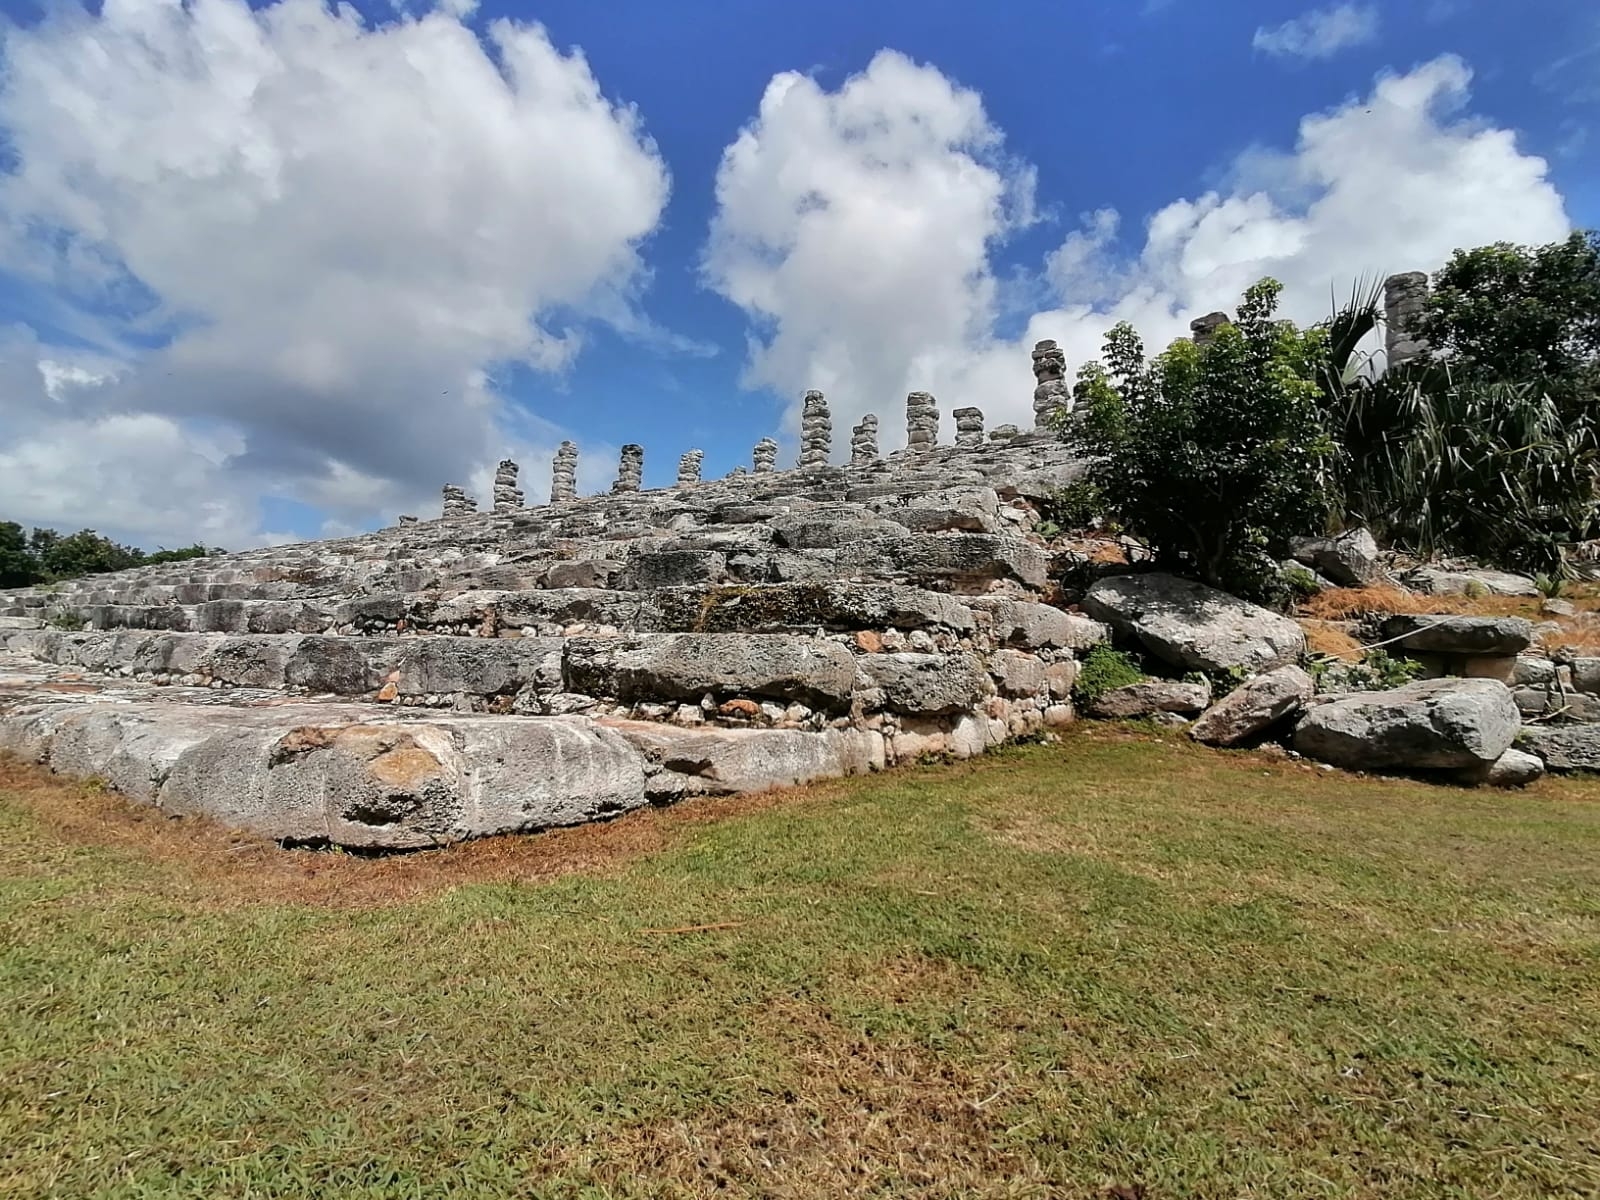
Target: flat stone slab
pixel 1195 627
pixel 1436 724
pixel 1494 637
pixel 1563 748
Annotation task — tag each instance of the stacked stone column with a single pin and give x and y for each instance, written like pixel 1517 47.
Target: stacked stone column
pixel 864 441
pixel 1204 329
pixel 1404 299
pixel 922 422
pixel 457 503
pixel 507 496
pixel 1050 393
pixel 564 474
pixel 969 427
pixel 689 468
pixel 816 431
pixel 630 469
pixel 765 456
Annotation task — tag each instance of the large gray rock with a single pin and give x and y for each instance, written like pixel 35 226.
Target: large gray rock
pixel 1193 626
pixel 1470 636
pixel 347 775
pixel 1349 560
pixel 927 684
pixel 1254 707
pixel 1438 723
pixel 708 761
pixel 1149 697
pixel 1563 748
pixel 1033 626
pixel 687 666
pixel 1435 581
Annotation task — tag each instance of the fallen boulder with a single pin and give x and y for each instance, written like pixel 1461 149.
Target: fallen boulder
pixel 1193 626
pixel 1149 697
pixel 1435 581
pixel 1254 707
pixel 1434 724
pixel 1514 768
pixel 1349 560
pixel 1470 636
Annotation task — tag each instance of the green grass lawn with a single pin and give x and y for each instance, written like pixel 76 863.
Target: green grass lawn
pixel 1116 963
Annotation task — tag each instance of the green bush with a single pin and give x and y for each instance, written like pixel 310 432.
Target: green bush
pixel 1213 454
pixel 1104 670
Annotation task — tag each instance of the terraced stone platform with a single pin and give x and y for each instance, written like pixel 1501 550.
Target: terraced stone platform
pixel 534 667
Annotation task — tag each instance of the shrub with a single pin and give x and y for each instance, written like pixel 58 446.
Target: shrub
pixel 1214 455
pixel 1104 670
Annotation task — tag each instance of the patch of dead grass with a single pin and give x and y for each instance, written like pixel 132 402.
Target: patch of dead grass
pixel 1332 639
pixel 224 867
pixel 1343 604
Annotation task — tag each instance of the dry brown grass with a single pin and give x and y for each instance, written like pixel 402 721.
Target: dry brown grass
pixel 1332 639
pixel 225 867
pixel 1343 604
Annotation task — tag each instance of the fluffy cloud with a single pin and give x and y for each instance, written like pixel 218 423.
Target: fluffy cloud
pixel 859 228
pixel 295 248
pixel 1320 33
pixel 856 228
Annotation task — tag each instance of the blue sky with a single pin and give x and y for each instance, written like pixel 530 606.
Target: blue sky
pixel 268 273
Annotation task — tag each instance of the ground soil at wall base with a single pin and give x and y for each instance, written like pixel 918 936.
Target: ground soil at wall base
pixel 1115 964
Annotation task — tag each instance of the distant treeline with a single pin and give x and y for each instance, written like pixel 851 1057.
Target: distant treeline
pixel 45 555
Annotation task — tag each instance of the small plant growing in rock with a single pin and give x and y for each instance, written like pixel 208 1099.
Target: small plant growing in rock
pixel 65 619
pixel 1378 671
pixel 1104 670
pixel 1302 584
pixel 1476 589
pixel 1550 586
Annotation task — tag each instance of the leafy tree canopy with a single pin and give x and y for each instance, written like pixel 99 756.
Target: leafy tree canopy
pixel 1214 454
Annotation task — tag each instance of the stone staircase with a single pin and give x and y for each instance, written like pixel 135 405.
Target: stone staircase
pixel 532 667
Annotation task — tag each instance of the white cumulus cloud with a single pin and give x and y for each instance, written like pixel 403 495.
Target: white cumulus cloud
pixel 859 230
pixel 293 247
pixel 1320 33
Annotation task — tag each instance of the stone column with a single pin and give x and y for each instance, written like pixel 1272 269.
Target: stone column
pixel 864 441
pixel 564 473
pixel 689 468
pixel 457 503
pixel 969 426
pixel 507 496
pixel 1050 392
pixel 1004 433
pixel 1204 329
pixel 1404 299
pixel 816 431
pixel 922 422
pixel 406 519
pixel 737 472
pixel 630 469
pixel 765 456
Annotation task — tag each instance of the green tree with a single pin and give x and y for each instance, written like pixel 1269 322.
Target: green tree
pixel 18 566
pixel 86 553
pixel 1215 455
pixel 1524 315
